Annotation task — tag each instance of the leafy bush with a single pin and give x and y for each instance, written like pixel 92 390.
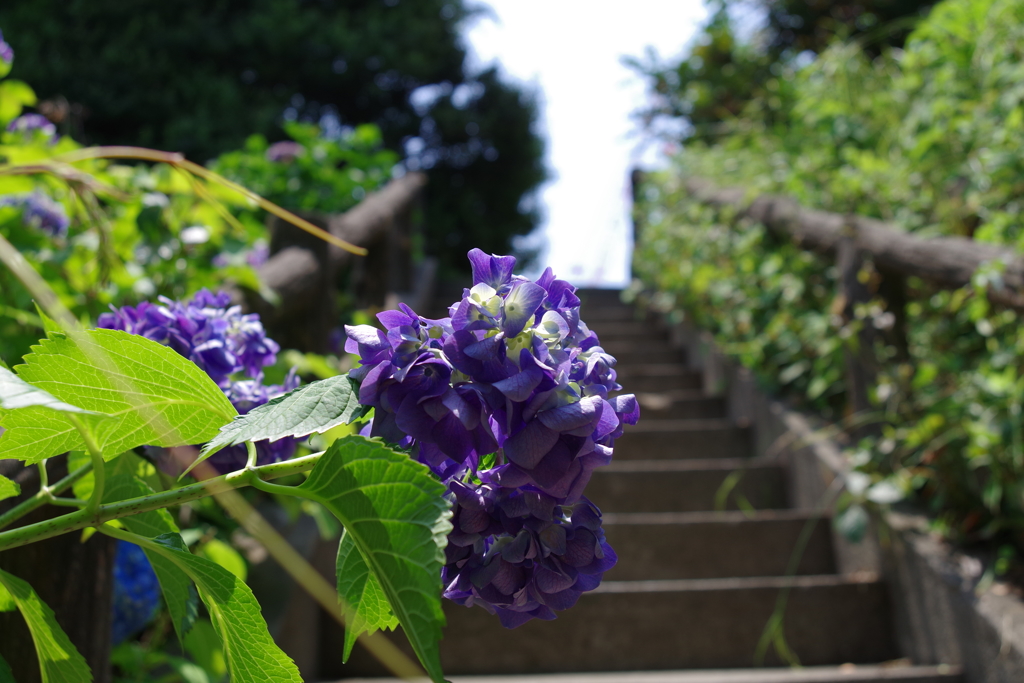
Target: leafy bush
pixel 931 138
pixel 105 233
pixel 311 172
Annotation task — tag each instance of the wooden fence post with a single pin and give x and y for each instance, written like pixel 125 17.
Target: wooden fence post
pixel 75 579
pixel 860 366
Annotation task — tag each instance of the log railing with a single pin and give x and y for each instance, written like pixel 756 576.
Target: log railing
pixel 949 262
pixel 304 272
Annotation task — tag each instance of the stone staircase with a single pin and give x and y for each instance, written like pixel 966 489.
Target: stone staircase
pixel 698 577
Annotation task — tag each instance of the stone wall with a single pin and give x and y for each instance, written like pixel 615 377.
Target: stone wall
pixel 946 609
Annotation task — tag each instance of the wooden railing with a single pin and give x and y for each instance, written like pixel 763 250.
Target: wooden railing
pixel 304 273
pixel 949 262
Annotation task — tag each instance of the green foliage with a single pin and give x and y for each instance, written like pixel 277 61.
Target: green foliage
pixel 369 610
pixel 931 138
pixel 394 511
pixel 140 664
pixel 59 661
pixel 725 83
pixel 315 407
pixel 8 488
pixel 250 64
pixel 5 672
pixel 16 393
pixel 328 175
pixel 145 393
pixel 251 653
pixel 179 592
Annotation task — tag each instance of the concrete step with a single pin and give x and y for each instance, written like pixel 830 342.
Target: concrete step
pixel 705 545
pixel 616 346
pixel 686 485
pixel 651 625
pixel 660 354
pixel 598 298
pixel 658 377
pixel 625 330
pixel 844 673
pixel 680 405
pixel 596 316
pixel 683 439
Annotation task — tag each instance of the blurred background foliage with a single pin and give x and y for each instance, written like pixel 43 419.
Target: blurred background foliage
pixel 926 132
pixel 200 78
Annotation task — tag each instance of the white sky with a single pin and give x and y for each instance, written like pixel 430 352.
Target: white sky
pixel 569 50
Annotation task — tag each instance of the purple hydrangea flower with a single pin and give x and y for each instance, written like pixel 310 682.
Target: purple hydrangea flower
pixel 6 51
pixel 39 211
pixel 509 401
pixel 284 151
pixel 222 341
pixel 30 125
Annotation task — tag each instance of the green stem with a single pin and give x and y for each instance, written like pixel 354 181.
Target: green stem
pixel 123 535
pixel 251 448
pixel 43 497
pixel 104 513
pixel 98 470
pixel 44 476
pixel 68 502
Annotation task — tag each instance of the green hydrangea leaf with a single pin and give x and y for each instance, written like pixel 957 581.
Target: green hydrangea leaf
pixel 5 672
pixel 179 591
pixel 155 396
pixel 16 393
pixel 366 607
pixel 8 488
pixel 59 661
pixel 251 653
pixel 393 510
pixel 315 407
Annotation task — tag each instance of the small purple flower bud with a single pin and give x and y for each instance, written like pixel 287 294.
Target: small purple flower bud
pixel 284 151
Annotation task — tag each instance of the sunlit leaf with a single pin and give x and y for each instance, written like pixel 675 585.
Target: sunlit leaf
pixel 394 512
pixel 179 592
pixel 8 488
pixel 368 607
pixel 315 407
pixel 59 661
pixel 251 653
pixel 155 396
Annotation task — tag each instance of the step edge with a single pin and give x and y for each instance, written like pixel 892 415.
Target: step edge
pixel 710 517
pixel 734 583
pixel 687 465
pixel 860 673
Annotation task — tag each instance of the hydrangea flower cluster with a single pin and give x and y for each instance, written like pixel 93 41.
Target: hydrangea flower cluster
pixel 136 591
pixel 509 401
pixel 222 341
pixel 27 126
pixel 39 211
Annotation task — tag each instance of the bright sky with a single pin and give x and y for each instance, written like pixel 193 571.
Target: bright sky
pixel 570 51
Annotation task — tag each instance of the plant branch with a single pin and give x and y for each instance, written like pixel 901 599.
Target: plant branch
pixel 179 161
pixel 83 518
pixel 42 497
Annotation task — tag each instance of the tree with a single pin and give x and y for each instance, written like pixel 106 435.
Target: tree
pixel 200 77
pixel 723 76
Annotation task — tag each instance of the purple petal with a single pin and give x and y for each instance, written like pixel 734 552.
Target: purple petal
pixel 492 270
pixel 521 305
pixel 573 416
pixel 529 445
